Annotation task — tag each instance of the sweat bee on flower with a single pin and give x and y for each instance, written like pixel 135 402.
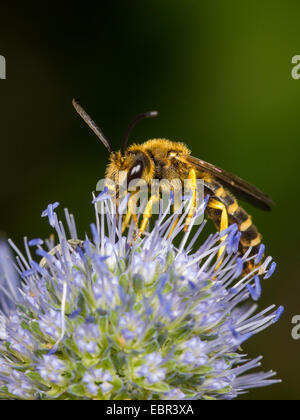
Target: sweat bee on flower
pixel 163 159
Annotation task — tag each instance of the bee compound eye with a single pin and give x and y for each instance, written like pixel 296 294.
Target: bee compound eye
pixel 136 171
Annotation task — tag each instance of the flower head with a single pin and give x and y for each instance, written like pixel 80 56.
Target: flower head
pixel 115 317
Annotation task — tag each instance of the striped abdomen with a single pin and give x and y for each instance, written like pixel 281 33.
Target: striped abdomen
pixel 236 214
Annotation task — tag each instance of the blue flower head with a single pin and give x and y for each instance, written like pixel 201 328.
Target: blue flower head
pixel 120 317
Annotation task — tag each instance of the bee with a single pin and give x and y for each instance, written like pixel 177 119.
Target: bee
pixel 165 159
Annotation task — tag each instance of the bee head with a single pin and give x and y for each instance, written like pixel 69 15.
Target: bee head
pixel 134 164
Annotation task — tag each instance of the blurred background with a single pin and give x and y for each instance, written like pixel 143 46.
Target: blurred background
pixel 220 75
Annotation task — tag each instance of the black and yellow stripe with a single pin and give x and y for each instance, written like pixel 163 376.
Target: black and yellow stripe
pixel 250 237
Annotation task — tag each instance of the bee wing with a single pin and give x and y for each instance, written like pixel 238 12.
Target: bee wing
pixel 237 185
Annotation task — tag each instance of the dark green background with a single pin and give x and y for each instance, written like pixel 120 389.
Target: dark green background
pixel 220 75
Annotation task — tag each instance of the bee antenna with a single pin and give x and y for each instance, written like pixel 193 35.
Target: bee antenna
pixel 140 117
pixel 84 115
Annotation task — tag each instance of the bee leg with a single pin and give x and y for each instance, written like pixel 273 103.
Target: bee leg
pixel 193 178
pixel 173 226
pixel 130 214
pixel 147 213
pixel 217 205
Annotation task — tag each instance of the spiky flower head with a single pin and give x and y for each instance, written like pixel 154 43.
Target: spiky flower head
pixel 120 317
